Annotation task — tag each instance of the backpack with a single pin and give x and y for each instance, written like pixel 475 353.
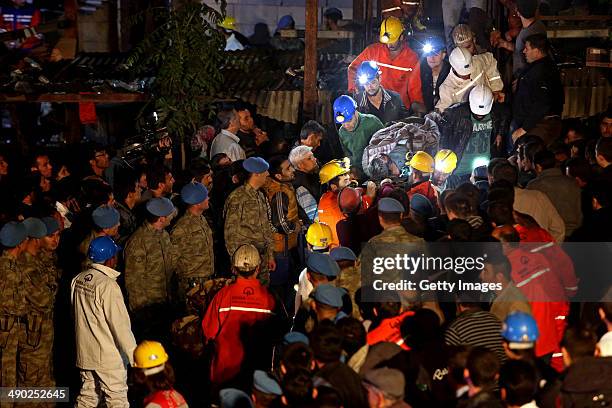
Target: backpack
pixel 402 139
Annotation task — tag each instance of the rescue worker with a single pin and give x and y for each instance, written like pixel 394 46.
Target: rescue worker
pixel 336 175
pixel 104 349
pixel 247 217
pixel 106 220
pixel 421 168
pixel 13 318
pixel 375 100
pixel 399 64
pixel 434 70
pixel 318 239
pixel 239 311
pixel 39 288
pixel 17 16
pixel 474 131
pixel 193 240
pixel 445 163
pixel 153 370
pixel 467 72
pixel 356 128
pixel 234 41
pixel 150 263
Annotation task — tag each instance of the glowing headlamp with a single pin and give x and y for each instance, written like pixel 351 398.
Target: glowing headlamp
pixel 385 38
pixel 340 117
pixel 427 48
pixel 363 79
pixel 480 161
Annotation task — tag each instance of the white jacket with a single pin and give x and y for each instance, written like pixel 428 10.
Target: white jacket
pixel 484 71
pixel 104 339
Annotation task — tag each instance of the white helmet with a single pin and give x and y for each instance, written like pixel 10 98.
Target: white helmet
pixel 481 100
pixel 461 61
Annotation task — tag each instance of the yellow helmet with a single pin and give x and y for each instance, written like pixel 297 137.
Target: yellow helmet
pixel 150 356
pixel 333 169
pixel 391 29
pixel 446 161
pixel 422 161
pixel 319 235
pixel 229 23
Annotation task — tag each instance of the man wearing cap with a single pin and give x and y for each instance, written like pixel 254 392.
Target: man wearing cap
pixel 103 349
pixel 398 63
pixel 192 238
pixel 474 131
pixel 349 277
pixel 320 268
pixel 434 70
pixel 150 262
pixel 248 217
pixel 240 311
pixel 327 302
pixel 106 220
pixel 39 287
pixel 13 320
pixel 266 390
pixel 50 242
pixel 385 387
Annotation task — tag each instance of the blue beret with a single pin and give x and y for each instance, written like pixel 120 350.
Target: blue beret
pixel 390 205
pixel 342 254
pixel 255 165
pixel 285 22
pixel 234 398
pixel 421 205
pixel 51 223
pixel 161 206
pixel 194 193
pixel 328 295
pixel 323 264
pixel 35 228
pixel 12 234
pixel 266 384
pixel 105 217
pixel 295 337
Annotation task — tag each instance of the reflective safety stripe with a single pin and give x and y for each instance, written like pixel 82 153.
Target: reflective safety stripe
pixel 548 245
pixel 494 78
pixel 411 3
pixel 560 317
pixel 572 288
pixel 394 67
pixel 245 309
pixel 532 277
pixel 400 342
pixel 557 355
pixel 468 86
pixel 390 9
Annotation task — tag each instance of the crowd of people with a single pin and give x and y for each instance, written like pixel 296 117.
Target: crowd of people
pixel 244 281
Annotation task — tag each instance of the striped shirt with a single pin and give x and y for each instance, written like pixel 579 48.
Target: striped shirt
pixel 476 328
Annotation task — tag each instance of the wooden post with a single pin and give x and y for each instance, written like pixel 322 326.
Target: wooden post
pixel 310 61
pixel 358 10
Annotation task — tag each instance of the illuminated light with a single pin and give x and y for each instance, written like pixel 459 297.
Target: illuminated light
pixel 427 48
pixel 480 161
pixel 363 79
pixel 384 38
pixel 339 118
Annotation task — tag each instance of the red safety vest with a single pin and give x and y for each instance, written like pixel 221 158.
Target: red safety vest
pixel 166 399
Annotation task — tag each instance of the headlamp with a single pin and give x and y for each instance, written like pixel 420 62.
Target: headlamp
pixel 385 38
pixel 480 161
pixel 339 118
pixel 363 79
pixel 427 48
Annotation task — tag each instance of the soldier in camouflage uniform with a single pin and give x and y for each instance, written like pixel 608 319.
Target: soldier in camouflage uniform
pixel 350 276
pixel 192 238
pixel 40 288
pixel 150 263
pixel 106 222
pixel 13 237
pixel 248 218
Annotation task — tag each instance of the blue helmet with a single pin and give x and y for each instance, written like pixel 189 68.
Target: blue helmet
pixel 344 108
pixel 432 46
pixel 367 71
pixel 102 249
pixel 521 330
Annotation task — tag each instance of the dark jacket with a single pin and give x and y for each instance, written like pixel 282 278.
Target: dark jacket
pixel 310 182
pixel 431 94
pixel 456 128
pixel 539 93
pixel 391 109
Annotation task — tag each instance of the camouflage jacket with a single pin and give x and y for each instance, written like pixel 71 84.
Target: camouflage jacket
pixel 150 262
pixel 12 297
pixel 247 221
pixel 39 284
pixel 193 240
